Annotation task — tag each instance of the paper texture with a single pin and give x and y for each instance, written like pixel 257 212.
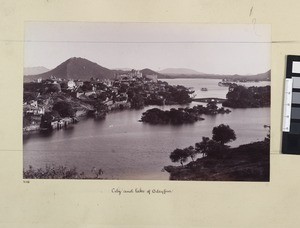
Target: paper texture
pixel 73 203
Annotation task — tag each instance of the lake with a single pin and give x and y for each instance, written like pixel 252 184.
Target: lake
pixel 213 90
pixel 125 148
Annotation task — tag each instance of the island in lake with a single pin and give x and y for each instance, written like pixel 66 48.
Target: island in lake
pixel 181 115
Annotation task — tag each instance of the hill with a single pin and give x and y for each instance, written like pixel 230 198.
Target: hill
pixel 80 68
pixel 35 70
pixel 260 77
pixel 266 76
pixel 148 71
pixel 76 68
pixel 181 71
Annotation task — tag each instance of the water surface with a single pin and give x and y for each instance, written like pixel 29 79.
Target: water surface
pixel 125 148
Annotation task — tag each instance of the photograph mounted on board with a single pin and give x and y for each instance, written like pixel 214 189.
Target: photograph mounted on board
pixel 146 101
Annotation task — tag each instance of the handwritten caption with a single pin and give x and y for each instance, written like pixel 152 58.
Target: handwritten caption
pixel 120 191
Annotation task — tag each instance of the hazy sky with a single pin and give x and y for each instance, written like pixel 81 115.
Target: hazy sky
pixel 218 49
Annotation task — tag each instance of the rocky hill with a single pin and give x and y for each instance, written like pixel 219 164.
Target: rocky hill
pixel 76 68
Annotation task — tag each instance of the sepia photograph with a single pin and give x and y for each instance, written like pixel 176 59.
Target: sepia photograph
pixel 146 101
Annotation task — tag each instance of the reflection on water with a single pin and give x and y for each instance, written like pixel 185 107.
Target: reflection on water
pixel 125 148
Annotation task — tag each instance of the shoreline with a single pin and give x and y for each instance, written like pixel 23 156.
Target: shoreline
pixel 84 115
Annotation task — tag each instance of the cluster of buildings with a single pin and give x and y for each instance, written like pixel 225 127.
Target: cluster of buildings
pixel 115 94
pixel 33 108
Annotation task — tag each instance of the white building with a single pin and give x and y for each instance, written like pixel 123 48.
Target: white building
pixel 71 84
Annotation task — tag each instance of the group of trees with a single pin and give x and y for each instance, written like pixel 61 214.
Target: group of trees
pixel 177 95
pixel 137 101
pixel 60 109
pixel 214 147
pixel 252 97
pixel 42 88
pixel 210 109
pixel 64 109
pixel 172 116
pixel 135 97
pixel 181 115
pixel 139 97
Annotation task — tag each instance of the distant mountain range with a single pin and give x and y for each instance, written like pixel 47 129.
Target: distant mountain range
pixel 266 76
pixel 189 73
pixel 35 70
pixel 180 71
pixel 80 68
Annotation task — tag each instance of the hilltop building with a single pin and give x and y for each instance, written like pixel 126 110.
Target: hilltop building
pixel 135 74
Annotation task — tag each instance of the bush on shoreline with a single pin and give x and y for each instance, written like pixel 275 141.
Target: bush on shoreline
pixel 59 172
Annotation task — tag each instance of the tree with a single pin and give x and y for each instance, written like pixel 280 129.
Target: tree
pixel 64 109
pixel 215 149
pixel 179 95
pixel 239 93
pixel 54 88
pixel 179 155
pixel 64 85
pixel 87 86
pixel 29 96
pixel 202 147
pixel 191 152
pixel 137 101
pixel 223 134
pixel 210 148
pixel 212 106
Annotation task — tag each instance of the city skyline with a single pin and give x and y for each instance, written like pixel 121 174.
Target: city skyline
pixel 217 49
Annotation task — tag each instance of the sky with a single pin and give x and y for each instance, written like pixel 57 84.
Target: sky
pixel 214 49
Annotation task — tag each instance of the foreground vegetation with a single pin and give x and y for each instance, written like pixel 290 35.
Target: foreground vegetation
pixel 249 162
pixel 60 172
